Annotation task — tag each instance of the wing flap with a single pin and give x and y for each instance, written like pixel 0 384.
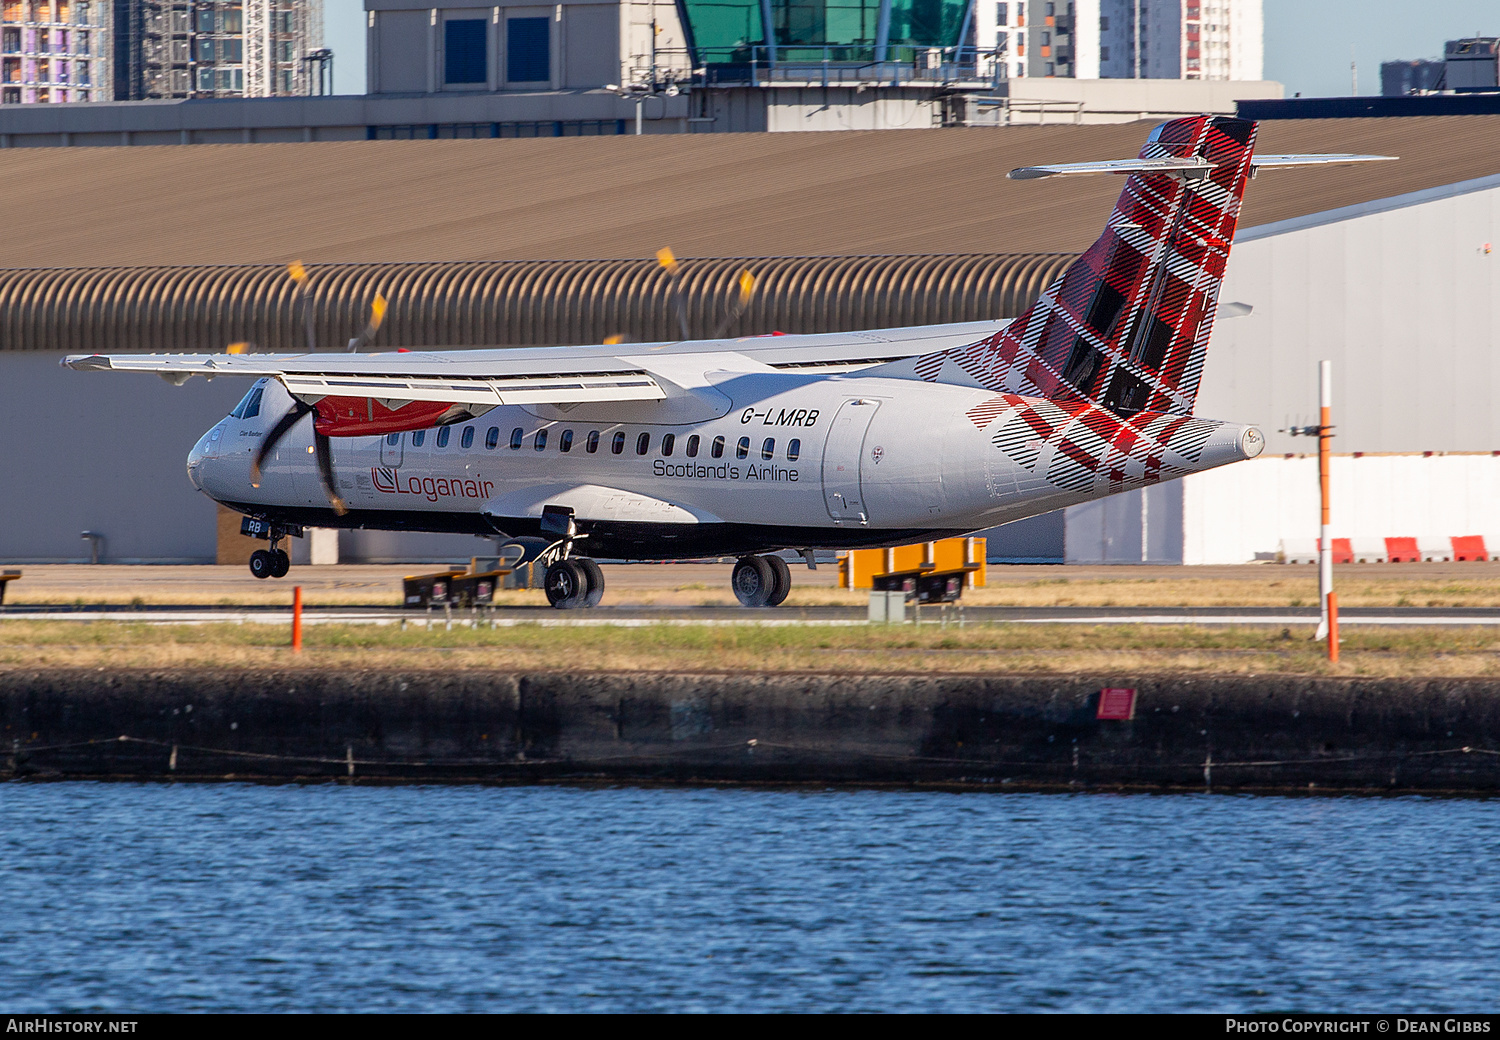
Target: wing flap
pixel 384 380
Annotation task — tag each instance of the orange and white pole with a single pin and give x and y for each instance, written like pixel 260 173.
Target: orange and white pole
pixel 1325 541
pixel 297 619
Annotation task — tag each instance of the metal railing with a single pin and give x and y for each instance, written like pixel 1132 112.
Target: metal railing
pixel 853 64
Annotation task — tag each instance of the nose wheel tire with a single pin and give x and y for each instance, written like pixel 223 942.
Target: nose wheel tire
pixel 262 564
pixel 268 563
pixel 566 585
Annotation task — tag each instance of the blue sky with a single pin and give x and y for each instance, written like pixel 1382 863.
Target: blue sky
pixel 1307 41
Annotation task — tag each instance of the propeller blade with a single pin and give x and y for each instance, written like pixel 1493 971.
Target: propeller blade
pixel 240 348
pixel 298 274
pixel 324 452
pixel 747 290
pixel 377 318
pixel 274 435
pixel 669 264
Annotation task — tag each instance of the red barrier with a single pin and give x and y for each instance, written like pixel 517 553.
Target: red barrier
pixel 1469 547
pixel 1402 550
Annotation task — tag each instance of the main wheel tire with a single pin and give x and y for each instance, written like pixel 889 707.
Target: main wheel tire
pixel 753 581
pixel 262 564
pixel 566 584
pixel 783 575
pixel 280 563
pixel 595 578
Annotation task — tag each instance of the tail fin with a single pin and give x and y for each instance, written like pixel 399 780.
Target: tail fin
pixel 1127 325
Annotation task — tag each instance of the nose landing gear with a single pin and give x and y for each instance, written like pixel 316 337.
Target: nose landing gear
pixel 761 581
pixel 272 562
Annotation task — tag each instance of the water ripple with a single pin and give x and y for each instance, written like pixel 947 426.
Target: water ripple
pixel 325 898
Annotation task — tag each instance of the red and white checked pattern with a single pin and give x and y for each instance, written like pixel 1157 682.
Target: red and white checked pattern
pixel 1456 548
pixel 1152 279
pixel 1092 442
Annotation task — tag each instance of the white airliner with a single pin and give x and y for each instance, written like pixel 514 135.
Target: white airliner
pixel 745 447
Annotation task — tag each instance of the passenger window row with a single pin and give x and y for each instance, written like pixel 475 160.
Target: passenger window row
pixel 667 445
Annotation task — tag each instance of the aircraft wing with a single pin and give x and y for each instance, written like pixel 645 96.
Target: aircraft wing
pixel 485 378
pixel 402 377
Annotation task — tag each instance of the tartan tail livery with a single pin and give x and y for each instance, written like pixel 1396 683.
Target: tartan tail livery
pixel 1094 384
pixel 1127 325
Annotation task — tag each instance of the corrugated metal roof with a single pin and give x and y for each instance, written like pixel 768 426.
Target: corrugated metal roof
pixel 469 303
pixel 712 195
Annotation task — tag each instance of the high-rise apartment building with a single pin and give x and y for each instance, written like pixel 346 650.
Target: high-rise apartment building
pixel 242 48
pixel 53 50
pixel 1122 39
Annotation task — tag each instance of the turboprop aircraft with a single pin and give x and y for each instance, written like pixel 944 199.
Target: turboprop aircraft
pixel 745 447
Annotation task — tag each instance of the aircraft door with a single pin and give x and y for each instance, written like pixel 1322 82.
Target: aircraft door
pixel 391 450
pixel 842 456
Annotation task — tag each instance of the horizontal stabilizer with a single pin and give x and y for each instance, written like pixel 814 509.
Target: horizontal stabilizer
pixel 1189 168
pixel 1272 161
pixel 1184 167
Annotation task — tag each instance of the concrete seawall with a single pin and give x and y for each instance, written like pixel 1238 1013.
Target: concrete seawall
pixel 1189 731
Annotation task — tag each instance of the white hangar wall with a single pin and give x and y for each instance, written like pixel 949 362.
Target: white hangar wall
pixel 1403 296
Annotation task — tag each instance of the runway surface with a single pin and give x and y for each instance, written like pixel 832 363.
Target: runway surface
pixel 635 617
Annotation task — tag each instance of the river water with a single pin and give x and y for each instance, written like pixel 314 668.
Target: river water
pixel 235 897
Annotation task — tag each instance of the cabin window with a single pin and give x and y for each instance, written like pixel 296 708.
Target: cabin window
pixel 768 449
pixel 643 444
pixel 516 437
pixel 617 444
pixel 492 437
pixel 692 447
pixel 668 442
pixel 467 440
pixel 417 438
pixel 793 449
pixel 717 450
pixel 539 442
pixel 565 442
pixel 591 442
pixel 443 434
pixel 742 449
pixel 393 439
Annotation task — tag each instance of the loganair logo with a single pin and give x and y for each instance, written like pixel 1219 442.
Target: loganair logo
pixel 388 481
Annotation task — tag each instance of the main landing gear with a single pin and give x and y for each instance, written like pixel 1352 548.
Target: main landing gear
pixel 570 581
pixel 761 581
pixel 574 582
pixel 272 562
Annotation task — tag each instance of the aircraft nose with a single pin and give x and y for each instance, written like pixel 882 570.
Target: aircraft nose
pixel 201 458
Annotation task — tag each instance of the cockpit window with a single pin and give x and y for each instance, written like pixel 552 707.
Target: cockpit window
pixel 249 406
